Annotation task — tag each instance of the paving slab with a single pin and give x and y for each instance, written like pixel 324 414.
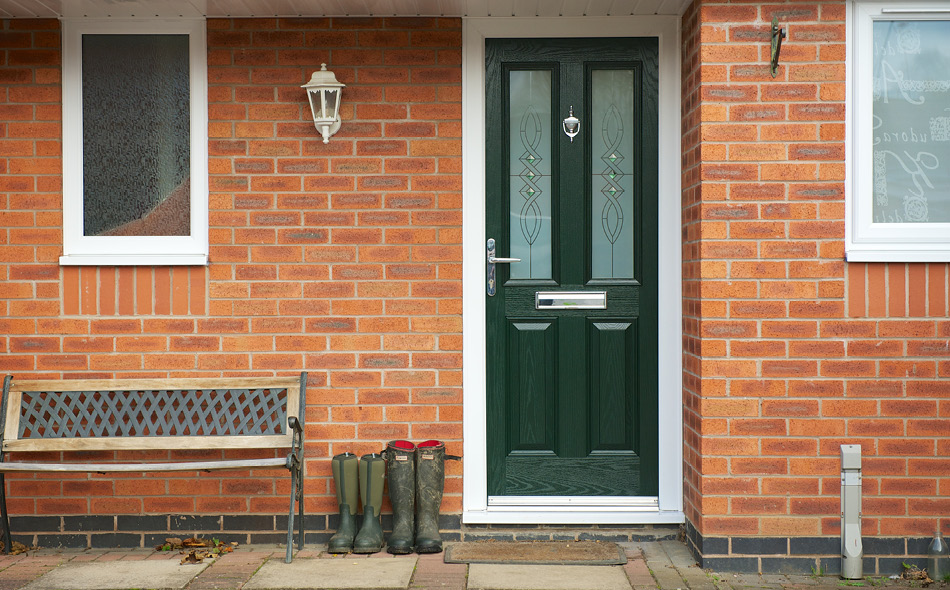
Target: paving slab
pixel 661 566
pixel 684 563
pixel 639 574
pixel 118 575
pixel 361 574
pixel 753 581
pixel 483 576
pixel 679 554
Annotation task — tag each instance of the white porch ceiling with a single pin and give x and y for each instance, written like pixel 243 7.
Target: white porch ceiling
pixel 295 8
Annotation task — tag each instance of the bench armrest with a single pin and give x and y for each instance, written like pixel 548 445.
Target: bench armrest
pixel 295 424
pixel 295 456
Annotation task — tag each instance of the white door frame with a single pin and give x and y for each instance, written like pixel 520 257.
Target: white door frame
pixel 477 507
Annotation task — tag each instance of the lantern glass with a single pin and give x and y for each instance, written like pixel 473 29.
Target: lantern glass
pixel 331 104
pixel 316 104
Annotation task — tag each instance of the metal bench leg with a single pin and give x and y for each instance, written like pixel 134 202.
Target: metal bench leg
pixel 300 531
pixel 290 518
pixel 7 542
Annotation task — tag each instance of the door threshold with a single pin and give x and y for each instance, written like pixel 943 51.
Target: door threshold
pixel 616 533
pixel 573 515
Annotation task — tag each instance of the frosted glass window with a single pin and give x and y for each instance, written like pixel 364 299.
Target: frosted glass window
pixel 612 158
pixel 898 205
pixel 136 135
pixel 911 121
pixel 135 142
pixel 529 165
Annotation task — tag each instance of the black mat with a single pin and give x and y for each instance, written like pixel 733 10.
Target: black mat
pixel 537 552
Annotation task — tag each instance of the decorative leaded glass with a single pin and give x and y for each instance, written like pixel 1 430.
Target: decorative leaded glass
pixel 612 158
pixel 529 164
pixel 136 135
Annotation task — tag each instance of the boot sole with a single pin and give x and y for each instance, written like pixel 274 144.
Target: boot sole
pixel 428 550
pixel 367 549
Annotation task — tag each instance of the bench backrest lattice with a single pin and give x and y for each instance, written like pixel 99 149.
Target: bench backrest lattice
pixel 91 415
pixel 199 412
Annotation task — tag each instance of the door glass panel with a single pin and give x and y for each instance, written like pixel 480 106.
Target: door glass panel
pixel 529 165
pixel 612 221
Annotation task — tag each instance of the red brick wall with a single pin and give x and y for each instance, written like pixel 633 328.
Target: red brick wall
pixel 342 259
pixel 897 290
pixel 692 276
pixel 790 352
pixel 30 190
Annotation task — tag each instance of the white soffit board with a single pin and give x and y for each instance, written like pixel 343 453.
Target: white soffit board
pixel 355 8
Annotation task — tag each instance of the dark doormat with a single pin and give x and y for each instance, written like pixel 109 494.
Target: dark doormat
pixel 536 552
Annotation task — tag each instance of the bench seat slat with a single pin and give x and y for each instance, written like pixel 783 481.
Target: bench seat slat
pixel 149 443
pixel 136 467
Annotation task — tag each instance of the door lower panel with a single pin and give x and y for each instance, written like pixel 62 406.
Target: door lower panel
pixel 572 477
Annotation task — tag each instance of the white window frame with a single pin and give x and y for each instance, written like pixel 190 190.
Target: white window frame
pixel 79 249
pixel 866 241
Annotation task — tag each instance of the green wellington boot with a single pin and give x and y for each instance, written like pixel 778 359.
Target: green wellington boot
pixel 430 479
pixel 347 481
pixel 372 472
pixel 401 473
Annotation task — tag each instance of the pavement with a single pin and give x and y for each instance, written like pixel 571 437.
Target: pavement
pixel 656 565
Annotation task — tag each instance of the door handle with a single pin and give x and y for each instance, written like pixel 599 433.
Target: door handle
pixel 492 261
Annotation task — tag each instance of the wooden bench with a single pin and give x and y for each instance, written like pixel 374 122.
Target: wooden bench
pixel 156 414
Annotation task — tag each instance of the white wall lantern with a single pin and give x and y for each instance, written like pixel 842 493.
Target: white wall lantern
pixel 323 91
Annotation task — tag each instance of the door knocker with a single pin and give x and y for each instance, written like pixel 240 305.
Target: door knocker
pixel 572 125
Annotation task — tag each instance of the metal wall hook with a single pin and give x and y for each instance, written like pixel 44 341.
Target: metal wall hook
pixel 777 36
pixel 571 125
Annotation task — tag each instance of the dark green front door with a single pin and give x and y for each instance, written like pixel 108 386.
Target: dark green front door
pixel 571 328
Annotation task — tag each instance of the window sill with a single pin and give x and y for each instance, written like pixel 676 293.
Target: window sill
pixel 134 260
pixel 892 254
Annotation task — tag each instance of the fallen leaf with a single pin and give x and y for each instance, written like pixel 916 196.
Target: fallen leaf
pixel 912 572
pixel 169 544
pixel 18 548
pixel 195 550
pixel 191 557
pixel 196 542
